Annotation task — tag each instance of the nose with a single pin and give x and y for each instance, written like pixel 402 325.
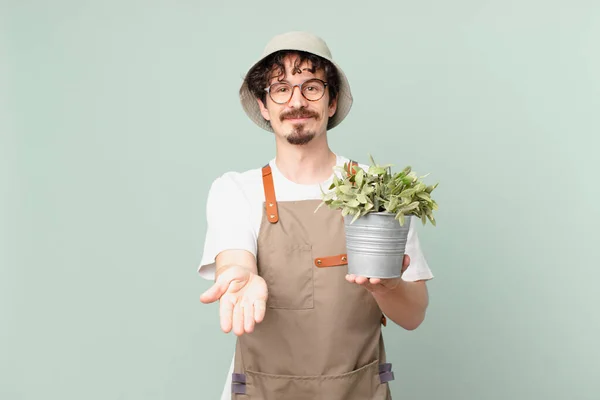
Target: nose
pixel 297 100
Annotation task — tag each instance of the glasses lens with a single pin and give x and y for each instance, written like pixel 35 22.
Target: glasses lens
pixel 280 92
pixel 313 89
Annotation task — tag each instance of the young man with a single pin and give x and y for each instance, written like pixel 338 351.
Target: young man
pixel 305 331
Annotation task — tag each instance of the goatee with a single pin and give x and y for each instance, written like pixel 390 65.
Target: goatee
pixel 300 137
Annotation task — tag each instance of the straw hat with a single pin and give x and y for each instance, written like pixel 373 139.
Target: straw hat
pixel 301 41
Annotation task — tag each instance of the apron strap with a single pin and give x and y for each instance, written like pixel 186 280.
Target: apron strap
pixel 352 164
pixel 270 199
pixel 331 261
pixel 340 259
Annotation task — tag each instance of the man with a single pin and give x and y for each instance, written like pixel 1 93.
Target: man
pixel 304 331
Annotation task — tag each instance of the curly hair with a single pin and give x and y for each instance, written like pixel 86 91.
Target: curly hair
pixel 273 65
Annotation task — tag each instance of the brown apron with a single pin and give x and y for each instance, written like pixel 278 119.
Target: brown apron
pixel 321 336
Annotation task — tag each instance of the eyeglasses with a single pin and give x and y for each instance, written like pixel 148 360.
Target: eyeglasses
pixel 312 90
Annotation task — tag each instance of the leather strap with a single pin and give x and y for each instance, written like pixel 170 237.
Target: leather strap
pixel 270 199
pixel 350 165
pixel 331 261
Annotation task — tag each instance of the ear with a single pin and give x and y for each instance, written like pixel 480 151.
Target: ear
pixel 263 110
pixel 333 107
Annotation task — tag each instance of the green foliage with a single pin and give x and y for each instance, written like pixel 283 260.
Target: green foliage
pixel 379 190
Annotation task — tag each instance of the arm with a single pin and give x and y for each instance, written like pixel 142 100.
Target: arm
pixel 229 259
pixel 403 302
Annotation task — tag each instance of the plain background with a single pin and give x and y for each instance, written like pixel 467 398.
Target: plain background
pixel 117 115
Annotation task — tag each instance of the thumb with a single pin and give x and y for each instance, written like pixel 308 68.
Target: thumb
pixel 405 262
pixel 215 292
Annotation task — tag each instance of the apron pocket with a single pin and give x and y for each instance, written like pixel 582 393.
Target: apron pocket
pixel 288 272
pixel 360 384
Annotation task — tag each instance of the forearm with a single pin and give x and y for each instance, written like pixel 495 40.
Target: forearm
pixel 405 304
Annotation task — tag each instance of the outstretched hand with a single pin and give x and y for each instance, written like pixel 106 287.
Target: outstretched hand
pixel 378 285
pixel 243 298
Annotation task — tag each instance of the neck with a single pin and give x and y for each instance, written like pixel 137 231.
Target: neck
pixel 307 164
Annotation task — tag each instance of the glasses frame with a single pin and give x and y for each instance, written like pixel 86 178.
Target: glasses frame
pixel 268 90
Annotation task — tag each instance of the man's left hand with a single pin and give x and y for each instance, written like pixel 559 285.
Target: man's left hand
pixel 378 285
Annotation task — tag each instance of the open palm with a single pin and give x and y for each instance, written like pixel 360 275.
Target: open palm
pixel 243 297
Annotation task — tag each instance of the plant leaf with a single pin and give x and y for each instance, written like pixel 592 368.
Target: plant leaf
pixel 376 170
pixel 329 196
pixel 431 219
pixel 430 188
pixel 408 193
pixel 424 196
pixel 320 205
pixel 392 204
pixel 367 190
pixel 360 176
pixel 400 217
pixel 353 203
pixel 410 207
pixel 346 189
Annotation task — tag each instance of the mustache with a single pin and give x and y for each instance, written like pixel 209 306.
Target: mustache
pixel 299 114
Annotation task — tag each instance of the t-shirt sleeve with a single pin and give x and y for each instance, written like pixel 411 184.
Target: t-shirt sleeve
pixel 228 223
pixel 418 268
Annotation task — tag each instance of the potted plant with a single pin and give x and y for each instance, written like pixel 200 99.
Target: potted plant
pixel 377 206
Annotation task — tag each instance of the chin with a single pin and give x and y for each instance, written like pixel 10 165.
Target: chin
pixel 300 137
pixel 300 140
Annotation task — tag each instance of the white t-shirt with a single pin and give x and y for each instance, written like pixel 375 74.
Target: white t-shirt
pixel 234 212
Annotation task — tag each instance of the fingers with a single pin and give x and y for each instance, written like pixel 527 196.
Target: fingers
pixel 238 319
pixel 405 262
pixel 356 279
pixel 361 280
pixel 241 316
pixel 374 284
pixel 226 309
pixel 246 315
pixel 260 308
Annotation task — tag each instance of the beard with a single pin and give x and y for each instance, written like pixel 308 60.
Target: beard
pixel 300 136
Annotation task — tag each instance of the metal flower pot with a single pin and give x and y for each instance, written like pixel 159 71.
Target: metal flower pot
pixel 375 244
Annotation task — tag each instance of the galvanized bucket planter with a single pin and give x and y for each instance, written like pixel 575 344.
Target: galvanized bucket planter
pixel 375 244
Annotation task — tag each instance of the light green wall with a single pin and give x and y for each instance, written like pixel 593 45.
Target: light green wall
pixel 117 115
